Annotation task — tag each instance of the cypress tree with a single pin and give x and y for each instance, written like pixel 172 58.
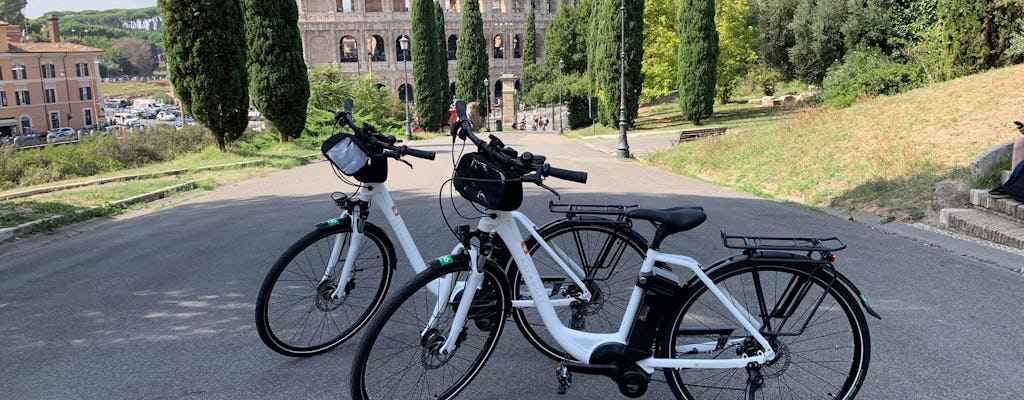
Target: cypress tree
pixel 214 57
pixel 605 58
pixel 430 104
pixel 962 23
pixel 698 58
pixel 277 73
pixel 472 66
pixel 441 63
pixel 530 47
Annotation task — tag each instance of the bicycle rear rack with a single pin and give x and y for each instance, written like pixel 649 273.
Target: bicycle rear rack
pixel 755 243
pixel 574 210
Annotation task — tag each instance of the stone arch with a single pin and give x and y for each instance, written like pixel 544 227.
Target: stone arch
pixel 518 85
pixel 406 92
pixel 453 47
pixel 403 55
pixel 517 46
pixel 498 46
pixel 320 50
pixel 498 88
pixel 381 87
pixel 454 6
pixel 25 121
pixel 349 49
pixel 376 47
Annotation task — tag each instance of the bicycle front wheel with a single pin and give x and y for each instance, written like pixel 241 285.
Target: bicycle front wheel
pixel 296 314
pixel 610 257
pixel 827 360
pixel 401 356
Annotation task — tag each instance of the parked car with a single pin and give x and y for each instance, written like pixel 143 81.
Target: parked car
pixel 167 116
pixel 28 139
pixel 61 135
pixel 125 119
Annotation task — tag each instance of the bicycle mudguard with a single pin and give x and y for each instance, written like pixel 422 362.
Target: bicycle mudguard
pixel 782 257
pixel 333 222
pixel 449 261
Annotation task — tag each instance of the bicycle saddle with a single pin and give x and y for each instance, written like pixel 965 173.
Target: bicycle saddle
pixel 670 220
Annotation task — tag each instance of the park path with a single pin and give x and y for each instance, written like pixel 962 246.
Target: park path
pixel 160 305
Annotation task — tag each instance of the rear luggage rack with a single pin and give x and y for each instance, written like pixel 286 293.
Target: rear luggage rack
pixel 754 243
pixel 572 210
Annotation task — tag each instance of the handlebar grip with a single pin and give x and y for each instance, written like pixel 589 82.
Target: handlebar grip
pixel 428 155
pixel 573 176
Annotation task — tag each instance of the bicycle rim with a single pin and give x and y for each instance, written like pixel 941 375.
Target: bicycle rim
pixel 399 357
pixel 296 315
pixel 827 361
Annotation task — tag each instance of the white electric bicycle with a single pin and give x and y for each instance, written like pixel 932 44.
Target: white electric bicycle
pixel 775 321
pixel 329 283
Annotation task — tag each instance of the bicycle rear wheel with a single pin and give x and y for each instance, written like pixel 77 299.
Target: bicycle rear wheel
pixel 611 257
pixel 399 357
pixel 828 360
pixel 295 313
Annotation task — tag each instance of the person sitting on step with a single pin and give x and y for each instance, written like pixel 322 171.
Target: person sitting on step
pixel 1015 160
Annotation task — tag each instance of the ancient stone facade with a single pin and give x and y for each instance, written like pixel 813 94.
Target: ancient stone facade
pixel 362 36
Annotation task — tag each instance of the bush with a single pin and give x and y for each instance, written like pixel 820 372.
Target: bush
pixel 868 73
pixel 157 144
pixel 32 167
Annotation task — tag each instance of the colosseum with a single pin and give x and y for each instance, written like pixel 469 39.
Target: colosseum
pixel 363 36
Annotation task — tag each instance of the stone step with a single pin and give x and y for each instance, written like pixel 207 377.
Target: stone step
pixel 1007 207
pixel 983 225
pixel 1004 176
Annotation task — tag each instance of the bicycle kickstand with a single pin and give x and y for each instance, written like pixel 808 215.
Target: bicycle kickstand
pixel 564 378
pixel 754 380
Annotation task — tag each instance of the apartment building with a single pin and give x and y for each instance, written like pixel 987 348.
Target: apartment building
pixel 45 86
pixel 364 36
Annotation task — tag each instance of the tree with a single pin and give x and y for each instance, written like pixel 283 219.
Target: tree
pixel 737 43
pixel 867 24
pixel 530 48
pixel 441 63
pixel 430 99
pixel 471 68
pixel 136 56
pixel 209 63
pixel 698 58
pixel 328 89
pixel 817 31
pixel 774 34
pixel 661 44
pixel 605 59
pixel 277 72
pixel 565 40
pixel 11 11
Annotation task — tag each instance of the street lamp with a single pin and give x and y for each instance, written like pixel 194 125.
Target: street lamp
pixel 561 77
pixel 487 104
pixel 623 148
pixel 404 43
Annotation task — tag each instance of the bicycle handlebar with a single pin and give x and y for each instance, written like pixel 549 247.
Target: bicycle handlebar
pixel 369 136
pixel 524 164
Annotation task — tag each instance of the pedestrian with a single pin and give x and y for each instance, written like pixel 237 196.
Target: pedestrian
pixel 546 122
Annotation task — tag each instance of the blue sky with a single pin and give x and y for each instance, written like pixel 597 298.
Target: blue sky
pixel 36 8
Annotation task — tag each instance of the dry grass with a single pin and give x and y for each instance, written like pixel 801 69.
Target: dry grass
pixel 135 89
pixel 883 155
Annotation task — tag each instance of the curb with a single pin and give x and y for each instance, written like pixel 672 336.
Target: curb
pixel 33 192
pixel 29 227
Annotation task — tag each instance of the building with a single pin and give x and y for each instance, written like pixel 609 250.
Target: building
pixel 45 86
pixel 363 36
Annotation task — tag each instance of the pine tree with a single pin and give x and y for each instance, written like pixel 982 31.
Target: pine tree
pixel 698 58
pixel 605 58
pixel 277 73
pixel 472 67
pixel 430 105
pixel 212 54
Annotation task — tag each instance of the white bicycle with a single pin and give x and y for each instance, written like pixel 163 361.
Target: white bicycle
pixel 329 283
pixel 776 321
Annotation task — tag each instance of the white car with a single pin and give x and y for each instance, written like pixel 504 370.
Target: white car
pixel 167 116
pixel 61 135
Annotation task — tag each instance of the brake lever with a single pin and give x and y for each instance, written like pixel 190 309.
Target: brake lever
pixel 541 184
pixel 404 162
pixel 539 181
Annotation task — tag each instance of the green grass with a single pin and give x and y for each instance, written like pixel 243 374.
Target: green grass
pixel 666 117
pixel 135 89
pixel 882 156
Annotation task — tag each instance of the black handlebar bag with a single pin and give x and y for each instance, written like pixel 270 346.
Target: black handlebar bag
pixel 354 158
pixel 488 183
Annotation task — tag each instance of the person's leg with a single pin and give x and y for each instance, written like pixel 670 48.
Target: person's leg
pixel 1018 151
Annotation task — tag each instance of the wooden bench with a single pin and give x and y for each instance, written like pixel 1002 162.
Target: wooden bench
pixel 694 134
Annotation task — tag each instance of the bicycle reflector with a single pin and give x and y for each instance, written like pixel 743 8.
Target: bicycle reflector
pixel 831 257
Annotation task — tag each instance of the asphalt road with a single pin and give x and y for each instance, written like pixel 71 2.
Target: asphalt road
pixel 159 305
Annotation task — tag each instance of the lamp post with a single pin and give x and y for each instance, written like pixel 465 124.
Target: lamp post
pixel 623 148
pixel 487 104
pixel 561 77
pixel 404 43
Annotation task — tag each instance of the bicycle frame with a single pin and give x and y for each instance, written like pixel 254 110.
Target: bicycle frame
pixel 582 344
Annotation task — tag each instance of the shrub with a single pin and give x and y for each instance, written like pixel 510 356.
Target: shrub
pixel 156 144
pixel 868 73
pixel 31 167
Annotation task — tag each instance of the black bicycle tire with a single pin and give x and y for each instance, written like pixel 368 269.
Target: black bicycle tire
pixel 849 303
pixel 263 323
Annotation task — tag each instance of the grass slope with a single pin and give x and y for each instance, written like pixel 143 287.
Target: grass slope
pixel 882 156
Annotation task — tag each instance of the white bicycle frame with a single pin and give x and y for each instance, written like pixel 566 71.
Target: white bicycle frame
pixel 582 344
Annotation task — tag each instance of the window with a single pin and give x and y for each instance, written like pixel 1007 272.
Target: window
pixel 3 98
pixel 87 117
pixel 54 120
pixel 499 47
pixel 377 48
pixel 19 71
pixel 349 50
pixel 344 6
pixel 49 71
pixel 26 123
pixel 50 96
pixel 400 6
pixel 517 48
pixel 85 93
pixel 453 47
pixel 82 68
pixel 22 97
